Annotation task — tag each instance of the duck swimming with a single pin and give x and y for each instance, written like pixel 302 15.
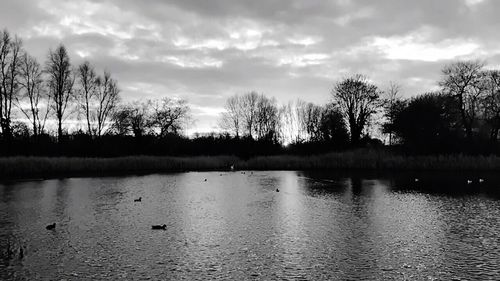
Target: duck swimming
pixel 159 227
pixel 51 226
pixel 138 199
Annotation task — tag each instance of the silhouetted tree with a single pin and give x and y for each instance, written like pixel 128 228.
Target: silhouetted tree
pixel 428 122
pixel 392 103
pixel 133 118
pixel 231 120
pixel 10 53
pixel 87 81
pixel 249 102
pixel 292 122
pixel 311 116
pixel 169 115
pixel 332 126
pixel 34 94
pixel 256 116
pixel 491 102
pixel 106 101
pixel 60 82
pixel 464 80
pixel 267 120
pixel 357 100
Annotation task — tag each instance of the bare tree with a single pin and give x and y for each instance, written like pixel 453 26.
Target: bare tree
pixel 292 122
pixel 231 119
pixel 107 98
pixel 249 103
pixel 491 102
pixel 169 115
pixel 242 113
pixel 464 81
pixel 391 102
pixel 33 93
pixel 10 53
pixel 357 99
pixel 133 118
pixel 267 120
pixel 311 120
pixel 87 80
pixel 60 83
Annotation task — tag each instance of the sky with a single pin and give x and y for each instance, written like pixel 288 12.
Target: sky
pixel 205 51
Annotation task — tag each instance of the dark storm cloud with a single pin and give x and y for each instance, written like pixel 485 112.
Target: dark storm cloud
pixel 207 50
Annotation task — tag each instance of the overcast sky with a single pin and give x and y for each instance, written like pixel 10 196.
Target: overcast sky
pixel 205 51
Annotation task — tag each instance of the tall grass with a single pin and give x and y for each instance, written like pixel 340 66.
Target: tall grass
pixel 36 167
pixel 43 167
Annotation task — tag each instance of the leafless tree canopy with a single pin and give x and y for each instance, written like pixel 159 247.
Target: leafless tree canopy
pixel 33 93
pixel 252 115
pixel 158 117
pixel 60 83
pixel 10 56
pixel 169 115
pixel 465 81
pixel 87 80
pixel 492 102
pixel 231 119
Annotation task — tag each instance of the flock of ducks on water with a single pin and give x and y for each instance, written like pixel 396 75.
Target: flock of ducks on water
pixel 468 181
pixel 164 226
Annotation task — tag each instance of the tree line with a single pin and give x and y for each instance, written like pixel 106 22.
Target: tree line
pixel 57 90
pixel 462 116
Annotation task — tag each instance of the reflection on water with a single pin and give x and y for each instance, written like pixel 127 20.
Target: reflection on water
pixel 236 226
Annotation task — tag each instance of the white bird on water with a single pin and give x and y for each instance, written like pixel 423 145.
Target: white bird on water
pixel 469 181
pixel 416 180
pixel 481 180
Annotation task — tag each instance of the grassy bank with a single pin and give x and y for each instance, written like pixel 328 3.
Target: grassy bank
pixel 44 167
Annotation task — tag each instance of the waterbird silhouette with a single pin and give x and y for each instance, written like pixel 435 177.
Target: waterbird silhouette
pixel 51 226
pixel 138 199
pixel 277 190
pixel 21 252
pixel 159 227
pixel 205 179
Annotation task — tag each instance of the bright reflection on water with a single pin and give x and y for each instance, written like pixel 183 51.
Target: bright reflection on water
pixel 236 226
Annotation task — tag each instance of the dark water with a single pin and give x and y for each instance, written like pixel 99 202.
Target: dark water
pixel 236 226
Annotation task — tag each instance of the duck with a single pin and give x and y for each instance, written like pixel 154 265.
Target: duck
pixel 21 252
pixel 159 227
pixel 277 190
pixel 232 167
pixel 416 179
pixel 51 226
pixel 138 199
pixel 481 180
pixel 205 179
pixel 469 181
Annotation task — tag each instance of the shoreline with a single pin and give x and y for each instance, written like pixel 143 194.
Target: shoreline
pixel 39 168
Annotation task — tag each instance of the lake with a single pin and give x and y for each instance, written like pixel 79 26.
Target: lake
pixel 236 225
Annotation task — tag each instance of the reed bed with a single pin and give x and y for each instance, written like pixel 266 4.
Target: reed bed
pixel 45 167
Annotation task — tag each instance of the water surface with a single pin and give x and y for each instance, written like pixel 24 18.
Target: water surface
pixel 236 226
